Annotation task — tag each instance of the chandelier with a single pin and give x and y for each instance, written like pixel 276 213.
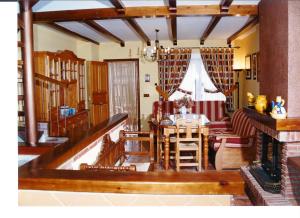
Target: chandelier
pixel 150 53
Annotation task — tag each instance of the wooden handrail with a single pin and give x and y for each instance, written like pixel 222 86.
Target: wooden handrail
pixel 57 82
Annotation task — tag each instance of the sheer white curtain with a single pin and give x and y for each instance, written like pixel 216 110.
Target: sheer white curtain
pixel 195 80
pixel 123 96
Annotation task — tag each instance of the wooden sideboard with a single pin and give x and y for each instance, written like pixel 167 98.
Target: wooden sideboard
pixel 69 126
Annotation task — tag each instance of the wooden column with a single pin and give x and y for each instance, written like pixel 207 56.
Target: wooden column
pixel 30 115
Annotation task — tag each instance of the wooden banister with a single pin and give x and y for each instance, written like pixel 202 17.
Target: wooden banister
pixel 54 81
pixel 111 152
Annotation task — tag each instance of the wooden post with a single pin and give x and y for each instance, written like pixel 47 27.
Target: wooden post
pixel 30 115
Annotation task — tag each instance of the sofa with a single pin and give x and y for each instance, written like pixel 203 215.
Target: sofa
pixel 214 110
pixel 232 143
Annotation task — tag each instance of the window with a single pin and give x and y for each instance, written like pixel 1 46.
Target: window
pixel 195 80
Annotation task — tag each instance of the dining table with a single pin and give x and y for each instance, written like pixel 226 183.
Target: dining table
pixel 168 127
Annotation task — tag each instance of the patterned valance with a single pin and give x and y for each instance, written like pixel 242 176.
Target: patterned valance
pixel 172 66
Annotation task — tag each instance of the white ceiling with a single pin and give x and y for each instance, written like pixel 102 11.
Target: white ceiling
pixel 119 28
pixel 227 26
pixel 191 27
pixel 188 28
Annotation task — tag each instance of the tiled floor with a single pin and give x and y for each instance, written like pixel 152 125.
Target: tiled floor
pixel 241 201
pixel 55 198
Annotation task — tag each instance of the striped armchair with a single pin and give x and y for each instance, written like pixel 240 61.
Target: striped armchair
pixel 232 142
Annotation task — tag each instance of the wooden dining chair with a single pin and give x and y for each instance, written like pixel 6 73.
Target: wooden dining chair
pixel 188 143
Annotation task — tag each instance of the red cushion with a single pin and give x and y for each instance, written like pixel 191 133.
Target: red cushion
pixel 231 142
pixel 220 125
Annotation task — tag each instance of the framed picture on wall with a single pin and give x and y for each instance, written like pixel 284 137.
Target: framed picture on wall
pixel 248 66
pixel 254 66
pixel 248 74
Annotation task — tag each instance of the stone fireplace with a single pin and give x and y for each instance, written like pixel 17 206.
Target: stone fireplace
pixel 289 146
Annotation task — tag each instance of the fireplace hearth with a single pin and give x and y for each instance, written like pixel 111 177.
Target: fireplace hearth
pixel 272 180
pixel 268 171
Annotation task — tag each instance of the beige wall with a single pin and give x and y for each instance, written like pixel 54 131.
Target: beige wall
pixel 49 39
pixel 248 45
pixel 133 50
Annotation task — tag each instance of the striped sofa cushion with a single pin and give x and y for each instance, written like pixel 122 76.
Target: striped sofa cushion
pixel 214 110
pixel 241 124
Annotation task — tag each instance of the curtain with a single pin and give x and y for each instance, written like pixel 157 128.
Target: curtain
pixel 218 63
pixel 123 95
pixel 172 66
pixel 196 80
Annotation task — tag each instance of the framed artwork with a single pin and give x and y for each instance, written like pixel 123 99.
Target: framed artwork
pixel 248 62
pixel 248 74
pixel 254 66
pixel 248 66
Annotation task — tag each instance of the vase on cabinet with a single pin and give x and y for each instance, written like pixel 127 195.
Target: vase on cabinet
pixel 261 103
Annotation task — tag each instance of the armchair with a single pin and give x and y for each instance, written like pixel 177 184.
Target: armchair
pixel 232 142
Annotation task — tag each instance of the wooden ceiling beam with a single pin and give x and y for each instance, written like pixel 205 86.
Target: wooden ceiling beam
pixel 212 24
pixel 142 12
pixel 224 8
pixel 139 30
pixel 172 5
pixel 224 5
pixel 174 29
pixel 104 31
pixel 173 18
pixel 120 6
pixel 251 23
pixel 71 33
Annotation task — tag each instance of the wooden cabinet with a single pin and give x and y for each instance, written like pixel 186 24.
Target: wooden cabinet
pixel 60 81
pixel 71 126
pixel 98 91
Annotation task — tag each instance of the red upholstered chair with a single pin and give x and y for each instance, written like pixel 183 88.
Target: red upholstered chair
pixel 232 142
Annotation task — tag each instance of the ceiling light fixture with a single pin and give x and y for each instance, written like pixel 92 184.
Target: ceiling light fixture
pixel 150 53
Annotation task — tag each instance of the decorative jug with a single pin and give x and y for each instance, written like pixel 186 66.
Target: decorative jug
pixel 261 103
pixel 278 111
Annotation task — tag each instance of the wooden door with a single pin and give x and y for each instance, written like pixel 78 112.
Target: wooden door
pixel 98 91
